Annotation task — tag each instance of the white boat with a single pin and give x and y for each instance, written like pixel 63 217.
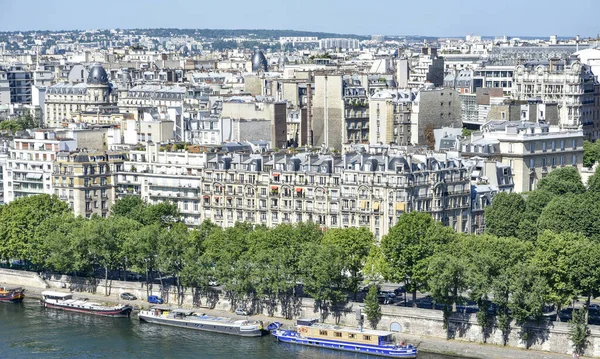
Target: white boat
pixel 65 301
pixel 188 319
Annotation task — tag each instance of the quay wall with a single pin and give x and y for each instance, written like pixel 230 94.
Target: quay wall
pixel 544 336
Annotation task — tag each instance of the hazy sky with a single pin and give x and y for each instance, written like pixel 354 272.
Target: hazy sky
pixel 389 17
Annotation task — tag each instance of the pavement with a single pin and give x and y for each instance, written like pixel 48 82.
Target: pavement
pixel 424 343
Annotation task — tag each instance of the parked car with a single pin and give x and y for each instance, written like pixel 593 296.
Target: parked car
pixel 386 297
pixel 134 276
pixel 240 311
pixel 400 290
pixel 213 283
pixel 155 299
pixel 128 296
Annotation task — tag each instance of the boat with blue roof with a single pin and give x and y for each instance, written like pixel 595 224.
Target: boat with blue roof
pixel 371 342
pixel 185 318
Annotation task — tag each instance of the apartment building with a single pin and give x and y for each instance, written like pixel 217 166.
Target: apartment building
pixel 567 83
pixel 530 149
pixel 64 101
pixel 84 180
pixel 29 164
pixel 389 117
pixel 353 190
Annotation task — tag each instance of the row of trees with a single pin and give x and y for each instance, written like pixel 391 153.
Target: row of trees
pixel 539 249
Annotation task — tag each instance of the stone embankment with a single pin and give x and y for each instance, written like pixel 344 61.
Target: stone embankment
pixel 420 326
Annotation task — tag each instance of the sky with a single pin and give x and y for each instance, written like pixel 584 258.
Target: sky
pixel 441 18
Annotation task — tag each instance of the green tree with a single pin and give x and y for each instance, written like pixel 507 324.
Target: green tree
pixel 591 153
pixel 535 202
pixel 593 183
pixel 502 218
pixel 355 244
pixel 579 332
pixel 447 278
pixel 572 213
pixel 19 220
pixel 323 277
pixel 53 244
pixel 372 307
pixel 552 259
pixel 562 181
pixel 408 246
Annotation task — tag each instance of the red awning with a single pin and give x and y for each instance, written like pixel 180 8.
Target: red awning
pixel 216 197
pixel 206 197
pixel 274 188
pixel 298 189
pixel 275 174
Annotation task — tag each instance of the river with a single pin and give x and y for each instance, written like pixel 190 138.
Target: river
pixel 30 331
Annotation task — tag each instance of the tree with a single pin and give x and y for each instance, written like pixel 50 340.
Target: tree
pixel 502 218
pixel 447 278
pixel 572 213
pixel 535 202
pixel 323 276
pixel 591 153
pixel 19 220
pixel 593 183
pixel 579 331
pixel 552 259
pixel 355 244
pixel 372 307
pixel 562 181
pixel 408 247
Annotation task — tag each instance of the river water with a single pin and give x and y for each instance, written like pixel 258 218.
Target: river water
pixel 30 331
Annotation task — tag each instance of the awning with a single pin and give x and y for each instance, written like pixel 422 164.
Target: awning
pixel 298 189
pixel 33 176
pixel 376 206
pixel 400 206
pixel 206 197
pixel 275 174
pixel 475 174
pixel 274 188
pixel 216 197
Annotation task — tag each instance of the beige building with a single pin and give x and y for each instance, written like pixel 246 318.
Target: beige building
pixel 569 84
pixel 353 190
pixel 530 149
pixel 85 180
pixel 64 101
pixel 389 117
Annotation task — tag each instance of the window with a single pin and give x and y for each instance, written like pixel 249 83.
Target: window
pixel 574 144
pixel 366 337
pixel 351 336
pixel 543 162
pixel 322 332
pixel 553 146
pixel 531 163
pixel 574 159
pixel 532 147
pixel 562 145
pixel 543 146
pixel 337 334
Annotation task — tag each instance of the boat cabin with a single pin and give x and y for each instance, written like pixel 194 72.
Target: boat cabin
pixel 56 295
pixel 311 329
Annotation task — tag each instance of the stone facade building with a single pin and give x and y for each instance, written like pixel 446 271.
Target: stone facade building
pixel 353 190
pixel 85 180
pixel 65 101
